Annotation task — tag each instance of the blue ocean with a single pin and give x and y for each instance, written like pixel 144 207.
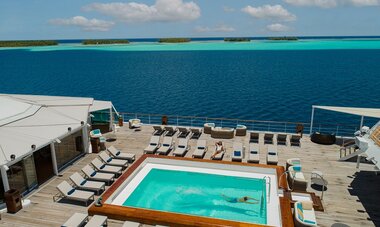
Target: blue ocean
pixel 274 85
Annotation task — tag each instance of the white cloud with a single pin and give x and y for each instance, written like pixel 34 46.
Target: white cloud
pixel 219 28
pixel 273 12
pixel 84 23
pixel 228 9
pixel 333 3
pixel 278 28
pixel 161 10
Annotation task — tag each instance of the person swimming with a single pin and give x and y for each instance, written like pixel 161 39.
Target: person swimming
pixel 244 199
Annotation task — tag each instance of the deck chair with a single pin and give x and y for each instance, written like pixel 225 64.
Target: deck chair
pixel 238 152
pixel 68 192
pixel 97 220
pixel 84 184
pixel 254 137
pixel 268 138
pixel 182 148
pixel 281 139
pixel 158 130
pixel 166 146
pixel 295 140
pixel 91 174
pixel 200 150
pixel 131 224
pixel 76 220
pixel 121 155
pixel 170 131
pixel 183 132
pixel 254 155
pixel 153 146
pixel 219 156
pixel 272 155
pixel 104 168
pixel 196 133
pixel 105 157
pixel 304 214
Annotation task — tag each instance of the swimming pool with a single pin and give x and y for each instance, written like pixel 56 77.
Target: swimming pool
pixel 167 190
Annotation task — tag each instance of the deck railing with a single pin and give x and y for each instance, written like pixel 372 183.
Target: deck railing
pixel 253 125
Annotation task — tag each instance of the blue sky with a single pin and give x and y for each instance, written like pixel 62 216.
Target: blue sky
pixel 74 19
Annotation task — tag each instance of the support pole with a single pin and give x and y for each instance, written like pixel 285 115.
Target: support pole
pixel 361 122
pixel 85 138
pixel 54 159
pixel 111 119
pixel 358 162
pixel 312 121
pixel 4 177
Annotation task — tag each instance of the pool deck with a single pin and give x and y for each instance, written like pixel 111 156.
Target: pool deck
pixel 350 199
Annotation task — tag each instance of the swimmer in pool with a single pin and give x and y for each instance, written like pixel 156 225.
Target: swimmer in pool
pixel 244 199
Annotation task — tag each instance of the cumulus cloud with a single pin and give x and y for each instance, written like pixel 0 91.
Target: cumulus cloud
pixel 219 28
pixel 333 3
pixel 273 12
pixel 161 10
pixel 278 27
pixel 84 23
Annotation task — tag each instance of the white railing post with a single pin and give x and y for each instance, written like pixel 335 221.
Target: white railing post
pixel 312 120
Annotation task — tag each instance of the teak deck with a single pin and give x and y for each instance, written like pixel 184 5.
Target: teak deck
pixel 174 219
pixel 341 200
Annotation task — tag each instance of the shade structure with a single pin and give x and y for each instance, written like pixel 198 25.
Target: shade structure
pixel 366 112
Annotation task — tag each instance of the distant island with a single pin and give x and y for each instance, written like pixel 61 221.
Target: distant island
pixel 104 41
pixel 174 40
pixel 237 40
pixel 27 43
pixel 283 38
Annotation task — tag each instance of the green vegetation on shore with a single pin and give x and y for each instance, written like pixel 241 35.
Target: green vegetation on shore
pixel 174 40
pixel 283 38
pixel 104 41
pixel 27 43
pixel 237 39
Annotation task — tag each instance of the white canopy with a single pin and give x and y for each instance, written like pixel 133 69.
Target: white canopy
pixel 366 112
pixel 100 105
pixel 27 120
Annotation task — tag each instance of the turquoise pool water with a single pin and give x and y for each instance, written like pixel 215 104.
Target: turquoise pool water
pixel 200 194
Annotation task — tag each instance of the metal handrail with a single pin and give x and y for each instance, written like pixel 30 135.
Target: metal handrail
pixel 269 184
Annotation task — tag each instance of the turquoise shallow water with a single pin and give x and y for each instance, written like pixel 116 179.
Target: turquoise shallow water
pixel 201 195
pixel 220 45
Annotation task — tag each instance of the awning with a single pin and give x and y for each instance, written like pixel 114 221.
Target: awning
pixel 100 105
pixel 366 112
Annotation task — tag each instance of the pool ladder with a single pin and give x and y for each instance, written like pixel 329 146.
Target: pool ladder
pixel 268 181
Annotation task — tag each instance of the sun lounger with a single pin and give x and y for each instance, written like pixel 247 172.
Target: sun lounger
pixel 268 138
pixel 183 132
pixel 112 161
pixel 295 140
pixel 254 155
pixel 91 174
pixel 170 131
pixel 104 168
pixel 158 130
pixel 296 179
pixel 82 183
pixel 196 133
pixel 166 146
pixel 272 155
pixel 219 156
pixel 281 139
pixel 254 137
pixel 131 224
pixel 304 214
pixel 153 146
pixel 182 148
pixel 200 150
pixel 97 221
pixel 68 192
pixel 76 220
pixel 238 152
pixel 121 155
